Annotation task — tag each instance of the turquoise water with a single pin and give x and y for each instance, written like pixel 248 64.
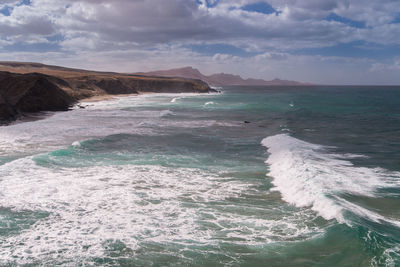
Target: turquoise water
pixel 313 179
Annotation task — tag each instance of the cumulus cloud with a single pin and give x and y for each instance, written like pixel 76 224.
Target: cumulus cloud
pixel 150 22
pixel 25 21
pixel 159 28
pixel 393 65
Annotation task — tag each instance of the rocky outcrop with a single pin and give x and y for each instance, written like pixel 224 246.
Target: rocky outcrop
pixel 163 85
pixel 92 85
pixel 7 112
pixel 33 92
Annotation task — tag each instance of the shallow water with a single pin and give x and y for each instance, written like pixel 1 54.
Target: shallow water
pixel 180 179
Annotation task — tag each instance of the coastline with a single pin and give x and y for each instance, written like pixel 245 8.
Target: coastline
pixel 43 88
pixel 39 115
pixel 98 98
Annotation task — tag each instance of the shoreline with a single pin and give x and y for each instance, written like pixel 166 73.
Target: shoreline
pixel 39 115
pixel 98 98
pixel 108 97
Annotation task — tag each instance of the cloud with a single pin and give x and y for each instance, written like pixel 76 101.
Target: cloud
pixel 273 56
pixel 149 22
pixel 394 65
pixel 25 23
pixel 163 30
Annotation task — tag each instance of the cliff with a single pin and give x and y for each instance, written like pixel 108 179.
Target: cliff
pixel 30 93
pixel 33 87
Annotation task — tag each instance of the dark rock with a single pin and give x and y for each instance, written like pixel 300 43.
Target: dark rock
pixel 7 112
pixel 34 92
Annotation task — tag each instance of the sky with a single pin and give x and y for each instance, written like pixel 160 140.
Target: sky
pixel 320 41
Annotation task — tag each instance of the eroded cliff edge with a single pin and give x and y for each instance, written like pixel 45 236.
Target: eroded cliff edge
pixel 56 90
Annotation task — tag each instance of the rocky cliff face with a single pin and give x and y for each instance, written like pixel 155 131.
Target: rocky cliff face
pixel 30 93
pixel 33 92
pixel 7 112
pixel 92 85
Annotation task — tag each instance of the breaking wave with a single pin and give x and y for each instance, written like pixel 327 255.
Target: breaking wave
pixel 307 175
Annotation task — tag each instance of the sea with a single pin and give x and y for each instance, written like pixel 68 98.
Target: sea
pixel 251 176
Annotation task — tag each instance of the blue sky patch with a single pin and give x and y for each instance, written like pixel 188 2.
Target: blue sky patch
pixel 25 2
pixel 260 7
pixel 55 38
pixel 6 11
pixel 357 49
pixel 351 23
pixel 38 47
pixel 396 19
pixel 209 3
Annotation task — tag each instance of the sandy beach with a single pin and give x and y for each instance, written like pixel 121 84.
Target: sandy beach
pixel 98 98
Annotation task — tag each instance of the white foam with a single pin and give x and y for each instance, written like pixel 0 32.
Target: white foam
pixel 165 113
pixel 175 98
pixel 390 255
pixel 98 119
pixel 133 204
pixel 64 128
pixel 89 206
pixel 76 144
pixel 308 176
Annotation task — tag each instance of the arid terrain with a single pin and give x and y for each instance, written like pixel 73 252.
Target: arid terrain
pixel 32 87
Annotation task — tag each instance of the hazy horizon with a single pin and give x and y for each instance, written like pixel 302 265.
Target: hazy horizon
pixel 344 42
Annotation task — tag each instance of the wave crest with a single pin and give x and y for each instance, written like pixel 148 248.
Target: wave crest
pixel 307 175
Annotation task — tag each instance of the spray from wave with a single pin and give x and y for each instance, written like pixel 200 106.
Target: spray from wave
pixel 208 104
pixel 175 99
pixel 307 175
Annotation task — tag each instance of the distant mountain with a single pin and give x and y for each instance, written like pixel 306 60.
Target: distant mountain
pixel 220 79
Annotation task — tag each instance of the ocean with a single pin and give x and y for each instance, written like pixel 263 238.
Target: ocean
pixel 253 176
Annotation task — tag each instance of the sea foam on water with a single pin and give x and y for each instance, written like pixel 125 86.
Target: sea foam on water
pixel 307 175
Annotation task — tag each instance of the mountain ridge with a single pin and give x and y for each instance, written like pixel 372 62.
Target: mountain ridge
pixel 221 79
